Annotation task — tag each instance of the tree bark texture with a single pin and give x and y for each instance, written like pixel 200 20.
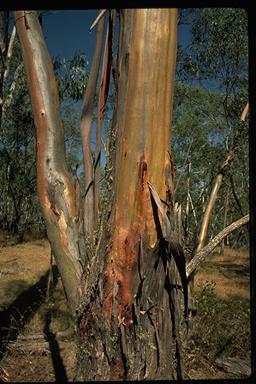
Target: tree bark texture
pixel 128 321
pixel 126 296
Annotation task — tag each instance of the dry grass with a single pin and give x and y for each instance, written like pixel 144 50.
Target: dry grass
pixel 228 271
pixel 222 324
pixel 22 265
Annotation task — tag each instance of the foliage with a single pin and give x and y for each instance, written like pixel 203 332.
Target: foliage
pixel 229 333
pixel 19 206
pixel 210 94
pixel 72 76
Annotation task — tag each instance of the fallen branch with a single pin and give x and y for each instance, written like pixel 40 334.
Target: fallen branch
pixel 201 255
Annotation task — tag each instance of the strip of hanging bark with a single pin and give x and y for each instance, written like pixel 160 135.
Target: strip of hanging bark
pixel 165 221
pixel 200 256
pixel 105 79
pixel 86 118
pixel 193 208
pixel 55 186
pixel 172 245
pixel 245 112
pixel 98 18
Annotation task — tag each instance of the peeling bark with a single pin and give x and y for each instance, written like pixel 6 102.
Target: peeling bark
pixel 129 318
pixel 101 108
pixel 85 128
pixel 127 298
pixel 143 122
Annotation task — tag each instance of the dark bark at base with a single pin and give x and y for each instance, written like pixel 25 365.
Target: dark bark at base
pixel 149 347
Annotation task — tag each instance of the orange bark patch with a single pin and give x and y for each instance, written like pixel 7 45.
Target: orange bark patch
pixel 121 261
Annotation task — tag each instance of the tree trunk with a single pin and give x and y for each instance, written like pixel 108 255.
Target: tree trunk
pixel 125 296
pixel 127 321
pixel 55 187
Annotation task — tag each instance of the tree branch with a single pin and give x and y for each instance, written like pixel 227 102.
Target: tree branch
pixel 86 118
pixel 9 52
pixel 105 79
pixel 7 101
pixel 214 192
pixel 201 255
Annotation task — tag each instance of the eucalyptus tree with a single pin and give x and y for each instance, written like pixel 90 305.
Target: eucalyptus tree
pixel 19 206
pixel 119 253
pixel 119 284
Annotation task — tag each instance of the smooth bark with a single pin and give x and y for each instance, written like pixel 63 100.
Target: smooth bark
pixel 86 119
pixel 125 296
pixel 105 80
pixel 203 253
pixel 55 187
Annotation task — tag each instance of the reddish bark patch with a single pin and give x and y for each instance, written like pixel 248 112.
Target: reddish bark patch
pixel 121 261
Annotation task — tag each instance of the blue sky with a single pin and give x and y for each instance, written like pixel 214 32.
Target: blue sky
pixel 67 31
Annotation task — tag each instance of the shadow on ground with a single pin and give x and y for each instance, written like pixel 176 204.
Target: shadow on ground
pixel 16 316
pixel 57 362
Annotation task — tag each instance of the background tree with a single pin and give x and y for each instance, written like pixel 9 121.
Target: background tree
pixel 121 277
pixel 211 92
pixel 19 210
pixel 102 286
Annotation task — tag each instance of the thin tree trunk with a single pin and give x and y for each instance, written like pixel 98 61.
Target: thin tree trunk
pixel 55 187
pixel 6 50
pixel 105 79
pixel 85 128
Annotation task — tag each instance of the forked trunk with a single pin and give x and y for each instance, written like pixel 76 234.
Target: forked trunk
pixel 125 295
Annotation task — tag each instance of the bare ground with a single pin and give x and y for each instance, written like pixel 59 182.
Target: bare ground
pixel 230 272
pixel 22 266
